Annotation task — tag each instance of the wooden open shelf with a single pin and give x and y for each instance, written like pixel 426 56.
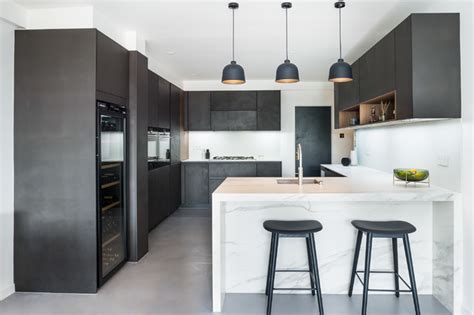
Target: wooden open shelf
pixel 369 112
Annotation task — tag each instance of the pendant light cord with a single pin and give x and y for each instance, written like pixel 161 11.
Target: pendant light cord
pixel 233 35
pixel 286 13
pixel 340 41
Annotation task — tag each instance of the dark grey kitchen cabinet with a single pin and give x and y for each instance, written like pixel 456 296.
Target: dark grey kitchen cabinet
pixel 269 169
pixel 198 111
pixel 159 195
pixel 377 69
pixel 234 100
pixel 59 76
pixel 175 114
pixel 268 110
pixel 213 184
pixel 428 70
pixel 112 67
pixel 152 99
pixel 233 120
pixel 195 184
pixel 348 92
pixel 138 157
pixel 232 169
pixel 164 89
pixel 175 187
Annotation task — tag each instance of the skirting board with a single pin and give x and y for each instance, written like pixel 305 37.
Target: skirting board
pixel 7 291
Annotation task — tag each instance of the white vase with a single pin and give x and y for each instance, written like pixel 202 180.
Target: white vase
pixel 353 157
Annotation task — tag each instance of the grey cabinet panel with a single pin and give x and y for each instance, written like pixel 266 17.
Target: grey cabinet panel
pixel 112 67
pixel 233 120
pixel 199 110
pixel 232 169
pixel 234 100
pixel 196 183
pixel 348 92
pixel 404 70
pixel 175 187
pixel 268 110
pixel 163 103
pixel 268 169
pixel 138 164
pixel 436 65
pixel 175 96
pixel 55 233
pixel 377 69
pixel 159 195
pixel 152 99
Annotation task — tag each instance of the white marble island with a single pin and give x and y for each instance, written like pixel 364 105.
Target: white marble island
pixel 241 245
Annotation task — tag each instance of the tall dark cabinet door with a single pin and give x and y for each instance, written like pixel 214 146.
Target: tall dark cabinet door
pixel 159 195
pixel 268 110
pixel 175 96
pixel 196 185
pixel 377 69
pixel 199 110
pixel 163 103
pixel 112 67
pixel 348 92
pixel 152 99
pixel 175 185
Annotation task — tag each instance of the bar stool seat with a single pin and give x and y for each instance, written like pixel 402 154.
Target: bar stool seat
pixel 384 227
pixel 305 226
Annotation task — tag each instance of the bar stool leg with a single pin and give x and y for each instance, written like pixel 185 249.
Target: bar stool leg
pixel 269 264
pixel 310 266
pixel 356 260
pixel 395 265
pixel 411 272
pixel 272 272
pixel 368 253
pixel 316 273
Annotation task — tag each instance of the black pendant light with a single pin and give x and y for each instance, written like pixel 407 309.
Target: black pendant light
pixel 340 71
pixel 287 72
pixel 233 73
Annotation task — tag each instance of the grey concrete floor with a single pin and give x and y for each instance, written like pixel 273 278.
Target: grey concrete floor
pixel 175 278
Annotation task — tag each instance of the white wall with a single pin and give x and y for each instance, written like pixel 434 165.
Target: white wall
pixel 384 148
pixel 269 145
pixel 7 286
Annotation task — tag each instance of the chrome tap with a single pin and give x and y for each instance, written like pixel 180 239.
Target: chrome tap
pixel 299 157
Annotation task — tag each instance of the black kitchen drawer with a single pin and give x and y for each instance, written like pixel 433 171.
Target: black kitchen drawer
pixel 269 169
pixel 232 169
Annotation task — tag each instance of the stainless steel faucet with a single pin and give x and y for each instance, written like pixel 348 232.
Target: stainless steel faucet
pixel 299 157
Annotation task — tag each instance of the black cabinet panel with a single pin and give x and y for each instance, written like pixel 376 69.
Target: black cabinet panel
pixel 233 120
pixel 213 184
pixel 377 69
pixel 268 110
pixel 196 183
pixel 159 195
pixel 112 67
pixel 232 169
pixel 152 99
pixel 404 70
pixel 269 169
pixel 175 124
pixel 163 103
pixel 234 100
pixel 348 92
pixel 199 110
pixel 175 187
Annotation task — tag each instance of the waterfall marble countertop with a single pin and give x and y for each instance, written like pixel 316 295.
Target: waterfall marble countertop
pixel 359 184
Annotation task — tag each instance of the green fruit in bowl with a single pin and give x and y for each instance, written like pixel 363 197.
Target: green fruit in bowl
pixel 411 174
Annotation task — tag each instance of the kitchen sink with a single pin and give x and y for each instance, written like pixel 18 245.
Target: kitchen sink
pixel 295 181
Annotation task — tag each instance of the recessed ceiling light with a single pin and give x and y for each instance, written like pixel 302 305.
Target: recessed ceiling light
pixel 170 52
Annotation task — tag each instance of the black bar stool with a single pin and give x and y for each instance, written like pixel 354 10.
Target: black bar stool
pixel 384 229
pixel 304 229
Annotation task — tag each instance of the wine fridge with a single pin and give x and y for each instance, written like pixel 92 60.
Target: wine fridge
pixel 111 189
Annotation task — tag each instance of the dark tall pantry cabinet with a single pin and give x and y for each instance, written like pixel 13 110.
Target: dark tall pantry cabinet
pixel 59 77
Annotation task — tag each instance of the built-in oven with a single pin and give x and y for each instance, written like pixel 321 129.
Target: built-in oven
pixel 159 153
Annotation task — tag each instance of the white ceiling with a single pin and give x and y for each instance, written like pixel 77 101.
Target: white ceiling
pixel 193 38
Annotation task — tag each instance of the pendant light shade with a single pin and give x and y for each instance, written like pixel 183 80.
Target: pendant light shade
pixel 340 71
pixel 287 72
pixel 233 73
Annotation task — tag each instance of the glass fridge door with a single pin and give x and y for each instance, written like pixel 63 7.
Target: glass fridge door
pixel 111 191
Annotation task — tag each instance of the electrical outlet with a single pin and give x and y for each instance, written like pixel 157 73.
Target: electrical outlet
pixel 443 160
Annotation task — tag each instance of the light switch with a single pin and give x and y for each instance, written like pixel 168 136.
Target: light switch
pixel 443 160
